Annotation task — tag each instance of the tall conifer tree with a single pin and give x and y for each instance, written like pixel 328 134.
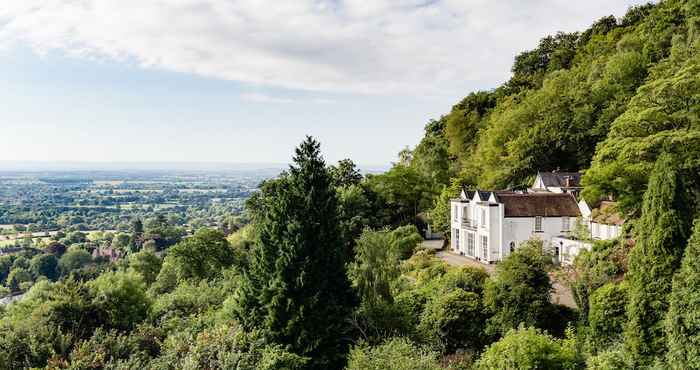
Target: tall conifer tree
pixel 683 318
pixel 661 236
pixel 296 290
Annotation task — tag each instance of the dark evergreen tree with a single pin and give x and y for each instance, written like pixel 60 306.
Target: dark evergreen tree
pixel 296 290
pixel 661 235
pixel 683 317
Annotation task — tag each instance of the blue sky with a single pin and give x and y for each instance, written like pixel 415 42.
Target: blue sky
pixel 244 81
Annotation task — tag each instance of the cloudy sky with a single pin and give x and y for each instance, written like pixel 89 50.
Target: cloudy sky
pixel 244 81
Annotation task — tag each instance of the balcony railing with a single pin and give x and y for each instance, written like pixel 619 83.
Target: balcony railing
pixel 469 223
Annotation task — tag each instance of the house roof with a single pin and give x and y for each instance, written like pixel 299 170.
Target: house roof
pixel 558 179
pixel 483 194
pixel 607 214
pixel 539 204
pixel 468 193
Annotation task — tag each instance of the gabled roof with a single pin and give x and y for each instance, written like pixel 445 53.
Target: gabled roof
pixel 483 195
pixel 539 204
pixel 469 194
pixel 558 179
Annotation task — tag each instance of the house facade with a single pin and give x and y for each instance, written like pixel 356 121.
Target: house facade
pixel 488 226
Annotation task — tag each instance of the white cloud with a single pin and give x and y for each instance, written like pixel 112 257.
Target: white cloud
pixel 264 98
pixel 378 46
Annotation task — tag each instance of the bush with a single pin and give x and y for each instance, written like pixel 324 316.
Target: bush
pixel 607 316
pixel 520 291
pixel 225 347
pixel 394 354
pixel 454 321
pixel 528 348
pixel 404 240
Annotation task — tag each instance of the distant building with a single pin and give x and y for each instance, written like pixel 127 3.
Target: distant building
pixel 558 182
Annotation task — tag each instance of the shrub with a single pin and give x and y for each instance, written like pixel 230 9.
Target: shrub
pixel 394 354
pixel 455 320
pixel 528 348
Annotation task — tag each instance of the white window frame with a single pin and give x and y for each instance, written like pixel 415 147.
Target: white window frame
pixel 565 223
pixel 538 224
pixel 470 245
pixel 483 218
pixel 455 210
pixel 485 247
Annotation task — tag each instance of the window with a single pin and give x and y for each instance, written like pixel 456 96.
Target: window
pixel 470 244
pixel 454 213
pixel 538 224
pixel 512 247
pixel 465 214
pixel 485 247
pixel 565 223
pixel 483 218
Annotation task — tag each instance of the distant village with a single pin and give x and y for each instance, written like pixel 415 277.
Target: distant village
pixel 488 225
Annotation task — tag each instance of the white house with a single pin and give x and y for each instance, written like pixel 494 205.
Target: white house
pixel 487 225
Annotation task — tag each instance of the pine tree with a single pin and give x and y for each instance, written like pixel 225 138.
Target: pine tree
pixel 296 290
pixel 661 235
pixel 683 317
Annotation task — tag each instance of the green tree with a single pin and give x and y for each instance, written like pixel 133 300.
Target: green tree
pixel 661 235
pixel 519 293
pixel 147 264
pixel 394 354
pixel 528 348
pixel 441 212
pixel 406 192
pixel 17 276
pixel 345 173
pixel 375 266
pixel 683 317
pixel 297 290
pixel 121 242
pixel 44 265
pixel 5 267
pixel 73 260
pixel 121 298
pixel 203 256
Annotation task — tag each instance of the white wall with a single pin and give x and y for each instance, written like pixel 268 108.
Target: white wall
pixel 605 232
pixel 521 229
pixel 569 249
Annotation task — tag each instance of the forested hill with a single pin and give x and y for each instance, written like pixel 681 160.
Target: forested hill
pixel 605 101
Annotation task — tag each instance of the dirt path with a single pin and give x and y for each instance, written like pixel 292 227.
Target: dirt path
pixel 561 295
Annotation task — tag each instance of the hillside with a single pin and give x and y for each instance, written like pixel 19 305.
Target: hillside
pixel 605 101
